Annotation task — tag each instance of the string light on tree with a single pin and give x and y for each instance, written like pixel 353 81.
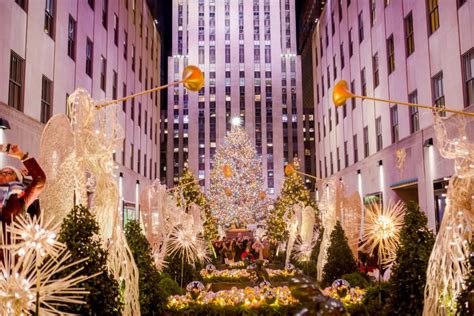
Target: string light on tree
pixel 236 180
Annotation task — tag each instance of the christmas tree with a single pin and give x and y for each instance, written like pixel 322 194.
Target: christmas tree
pixel 79 232
pixel 340 258
pixel 191 193
pixel 149 276
pixel 236 181
pixel 293 192
pixel 409 269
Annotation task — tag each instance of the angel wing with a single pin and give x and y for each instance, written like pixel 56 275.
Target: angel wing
pixel 195 211
pixel 58 161
pixel 307 227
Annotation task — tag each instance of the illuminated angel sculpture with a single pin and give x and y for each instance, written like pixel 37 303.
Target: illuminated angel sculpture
pixel 76 154
pixel 448 262
pixel 302 225
pixel 327 208
pixel 170 228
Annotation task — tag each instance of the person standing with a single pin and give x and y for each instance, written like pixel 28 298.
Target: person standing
pixel 15 197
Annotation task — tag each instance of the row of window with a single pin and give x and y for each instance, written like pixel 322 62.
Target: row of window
pixel 438 94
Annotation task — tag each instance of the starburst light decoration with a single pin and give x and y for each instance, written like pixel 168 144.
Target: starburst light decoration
pixel 382 230
pixel 185 243
pixel 37 234
pixel 27 275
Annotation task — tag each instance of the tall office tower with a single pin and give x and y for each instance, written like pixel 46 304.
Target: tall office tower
pixel 309 12
pixel 247 50
pixel 111 48
pixel 416 51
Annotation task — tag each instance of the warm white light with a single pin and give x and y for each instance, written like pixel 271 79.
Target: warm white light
pixel 236 121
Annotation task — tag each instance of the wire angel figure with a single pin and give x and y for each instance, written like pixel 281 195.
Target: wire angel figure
pixel 76 154
pixel 448 263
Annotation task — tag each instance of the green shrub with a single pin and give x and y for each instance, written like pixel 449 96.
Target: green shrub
pixel 357 279
pixel 168 287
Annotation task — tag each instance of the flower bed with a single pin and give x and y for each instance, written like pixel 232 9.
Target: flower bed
pixel 261 299
pixel 346 294
pixel 240 275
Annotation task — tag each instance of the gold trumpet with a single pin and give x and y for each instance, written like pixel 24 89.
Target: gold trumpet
pixel 193 80
pixel 290 169
pixel 341 93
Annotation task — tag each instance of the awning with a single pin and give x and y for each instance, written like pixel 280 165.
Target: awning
pixel 410 183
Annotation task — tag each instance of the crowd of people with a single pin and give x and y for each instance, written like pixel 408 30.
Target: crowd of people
pixel 241 248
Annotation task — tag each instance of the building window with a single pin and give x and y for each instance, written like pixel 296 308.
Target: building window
pixel 124 94
pixel 375 66
pixel 351 47
pixel 339 8
pixel 139 114
pixel 394 123
pixel 132 152
pixel 105 11
pixel 409 34
pixel 133 57
pixel 414 116
pixel 71 38
pixel 91 4
pixel 341 51
pixel 22 3
pixel 353 99
pixel 378 132
pixel 132 110
pixel 390 54
pixel 338 158
pixel 468 59
pixel 372 12
pixel 140 70
pixel 356 150
pixel 46 99
pixel 438 92
pixel 15 89
pixel 366 142
pixel 361 27
pixel 49 17
pixel 103 72
pixel 116 29
pixel 433 13
pixel 89 56
pixel 125 44
pixel 363 83
pixel 114 85
pixel 346 155
pixel 461 2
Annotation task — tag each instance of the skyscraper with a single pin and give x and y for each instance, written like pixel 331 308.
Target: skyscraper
pixel 247 50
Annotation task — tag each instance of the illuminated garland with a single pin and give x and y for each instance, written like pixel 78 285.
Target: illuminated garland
pixel 236 181
pixel 248 298
pixel 241 275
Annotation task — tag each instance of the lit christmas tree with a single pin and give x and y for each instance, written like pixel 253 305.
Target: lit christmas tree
pixel 191 193
pixel 236 194
pixel 293 192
